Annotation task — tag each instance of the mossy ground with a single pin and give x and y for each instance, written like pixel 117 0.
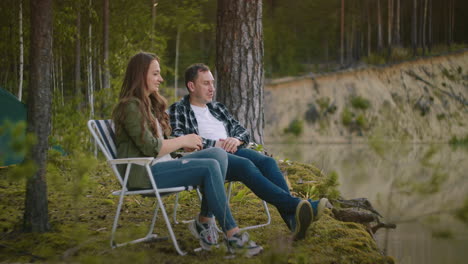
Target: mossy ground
pixel 81 225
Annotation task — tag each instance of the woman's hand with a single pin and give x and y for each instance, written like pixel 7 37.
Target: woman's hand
pixel 192 141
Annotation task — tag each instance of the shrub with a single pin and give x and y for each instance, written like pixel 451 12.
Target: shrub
pixel 346 117
pixel 359 102
pixel 295 127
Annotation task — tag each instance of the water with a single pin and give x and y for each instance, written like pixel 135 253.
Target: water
pixel 415 186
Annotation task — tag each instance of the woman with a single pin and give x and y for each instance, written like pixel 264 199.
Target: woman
pixel 142 129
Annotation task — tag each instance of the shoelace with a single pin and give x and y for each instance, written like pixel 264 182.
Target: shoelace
pixel 210 232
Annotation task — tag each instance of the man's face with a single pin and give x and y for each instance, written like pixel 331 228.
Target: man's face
pixel 202 89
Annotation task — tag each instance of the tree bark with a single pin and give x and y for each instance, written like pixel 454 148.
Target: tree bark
pixel 369 29
pixel 424 25
pixel 21 58
pixel 90 65
pixel 390 22
pixel 429 37
pixel 239 62
pixel 106 77
pixel 36 217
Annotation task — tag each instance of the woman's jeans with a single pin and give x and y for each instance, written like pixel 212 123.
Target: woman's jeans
pixel 262 175
pixel 206 168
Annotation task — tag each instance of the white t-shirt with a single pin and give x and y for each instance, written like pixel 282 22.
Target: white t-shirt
pixel 208 126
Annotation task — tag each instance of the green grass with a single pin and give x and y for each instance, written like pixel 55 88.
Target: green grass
pixel 81 217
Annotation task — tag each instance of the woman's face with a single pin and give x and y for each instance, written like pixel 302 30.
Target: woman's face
pixel 153 77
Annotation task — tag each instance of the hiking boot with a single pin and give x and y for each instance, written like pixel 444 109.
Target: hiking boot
pixel 303 218
pixel 205 232
pixel 241 243
pixel 319 206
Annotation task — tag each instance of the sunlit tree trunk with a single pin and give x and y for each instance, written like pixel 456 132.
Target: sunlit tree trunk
pixel 239 62
pixel 106 77
pixel 36 217
pixel 153 20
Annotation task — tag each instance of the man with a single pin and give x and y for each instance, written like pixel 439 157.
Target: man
pixel 198 113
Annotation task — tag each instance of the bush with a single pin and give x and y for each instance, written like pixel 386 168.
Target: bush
pixel 359 102
pixel 295 127
pixel 346 117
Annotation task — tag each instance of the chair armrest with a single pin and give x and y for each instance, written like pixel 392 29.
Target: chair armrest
pixel 139 161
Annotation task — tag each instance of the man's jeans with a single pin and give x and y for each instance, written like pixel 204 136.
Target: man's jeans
pixel 262 175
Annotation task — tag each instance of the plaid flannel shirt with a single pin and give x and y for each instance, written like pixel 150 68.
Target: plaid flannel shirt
pixel 184 122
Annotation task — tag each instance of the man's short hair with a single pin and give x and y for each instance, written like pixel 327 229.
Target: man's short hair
pixel 191 73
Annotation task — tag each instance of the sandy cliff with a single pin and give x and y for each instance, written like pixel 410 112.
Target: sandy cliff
pixel 424 100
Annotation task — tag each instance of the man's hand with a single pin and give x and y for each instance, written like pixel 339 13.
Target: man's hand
pixel 229 144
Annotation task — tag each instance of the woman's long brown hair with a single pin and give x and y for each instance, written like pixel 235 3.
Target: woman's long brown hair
pixel 134 87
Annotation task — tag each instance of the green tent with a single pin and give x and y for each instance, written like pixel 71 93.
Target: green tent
pixel 15 111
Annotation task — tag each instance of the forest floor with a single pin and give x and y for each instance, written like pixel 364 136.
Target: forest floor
pixel 81 214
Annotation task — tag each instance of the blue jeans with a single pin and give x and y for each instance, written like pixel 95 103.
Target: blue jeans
pixel 262 175
pixel 206 168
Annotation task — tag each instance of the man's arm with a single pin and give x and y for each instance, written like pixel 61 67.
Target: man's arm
pixel 235 129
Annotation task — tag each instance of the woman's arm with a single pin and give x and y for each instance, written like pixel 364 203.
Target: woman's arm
pixel 191 141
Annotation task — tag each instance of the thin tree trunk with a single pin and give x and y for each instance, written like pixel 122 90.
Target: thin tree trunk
pixel 379 28
pixel 397 38
pixel 78 57
pixel 414 28
pixel 106 79
pixel 390 22
pixel 424 27
pixel 153 20
pixel 36 217
pixel 342 32
pixel 239 62
pixel 21 58
pixel 369 29
pixel 176 67
pixel 90 67
pixel 61 79
pixel 429 37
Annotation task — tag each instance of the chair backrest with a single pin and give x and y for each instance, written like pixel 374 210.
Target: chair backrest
pixel 104 135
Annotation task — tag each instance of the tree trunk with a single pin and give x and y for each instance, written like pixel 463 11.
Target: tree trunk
pixel 414 28
pixel 390 22
pixel 424 25
pixel 397 38
pixel 379 28
pixel 106 77
pixel 429 37
pixel 239 62
pixel 90 66
pixel 342 32
pixel 21 58
pixel 176 66
pixel 369 29
pixel 36 217
pixel 78 56
pixel 153 20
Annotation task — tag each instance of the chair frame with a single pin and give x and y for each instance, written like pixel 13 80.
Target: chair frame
pixel 107 146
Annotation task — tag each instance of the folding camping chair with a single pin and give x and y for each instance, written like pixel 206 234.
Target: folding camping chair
pixel 103 133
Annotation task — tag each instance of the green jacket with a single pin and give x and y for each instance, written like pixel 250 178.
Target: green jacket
pixel 131 144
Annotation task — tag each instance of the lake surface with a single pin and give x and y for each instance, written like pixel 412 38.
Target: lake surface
pixel 416 186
